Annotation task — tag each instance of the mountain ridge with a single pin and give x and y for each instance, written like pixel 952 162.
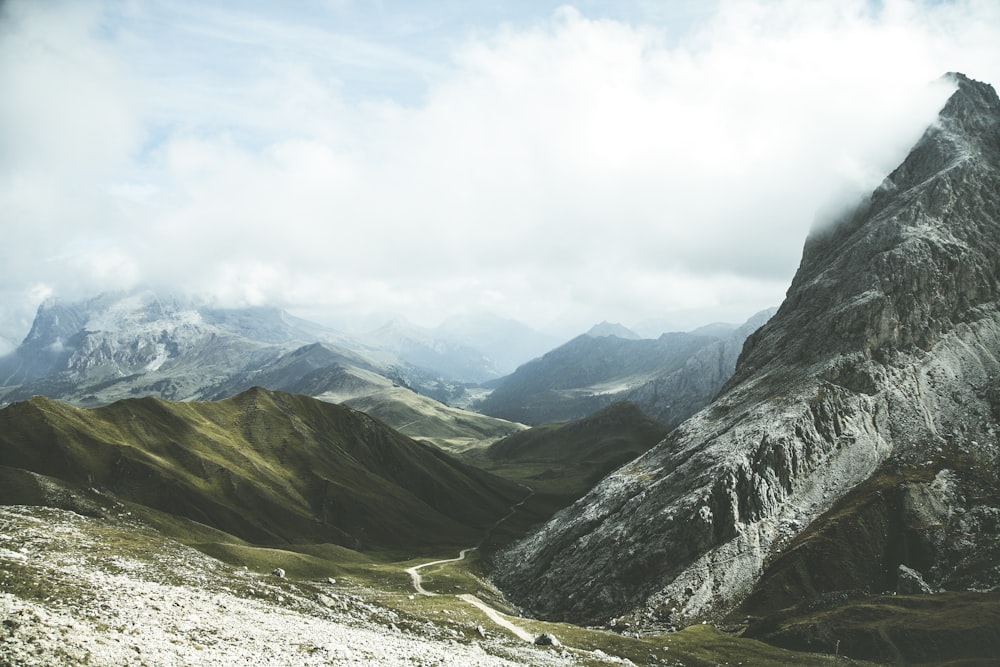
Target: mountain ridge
pixel 266 467
pixel 885 348
pixel 669 377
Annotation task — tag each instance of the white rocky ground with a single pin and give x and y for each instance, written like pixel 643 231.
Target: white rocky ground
pixel 80 590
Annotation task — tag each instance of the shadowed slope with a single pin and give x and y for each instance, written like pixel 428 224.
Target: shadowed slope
pixel 566 460
pixel 267 467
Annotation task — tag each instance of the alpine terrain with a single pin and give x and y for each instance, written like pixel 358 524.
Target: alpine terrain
pixel 116 346
pixel 669 378
pixel 854 451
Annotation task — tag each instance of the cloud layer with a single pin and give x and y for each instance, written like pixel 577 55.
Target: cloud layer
pixel 560 169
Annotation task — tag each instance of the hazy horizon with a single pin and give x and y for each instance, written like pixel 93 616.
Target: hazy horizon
pixel 558 164
pixel 648 328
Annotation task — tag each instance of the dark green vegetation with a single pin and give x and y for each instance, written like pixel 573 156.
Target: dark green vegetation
pixel 565 460
pixel 959 628
pixel 267 468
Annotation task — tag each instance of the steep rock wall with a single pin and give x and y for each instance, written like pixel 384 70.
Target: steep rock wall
pixel 886 345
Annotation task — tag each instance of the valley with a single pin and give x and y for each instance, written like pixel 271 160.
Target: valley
pixel 113 590
pixel 187 484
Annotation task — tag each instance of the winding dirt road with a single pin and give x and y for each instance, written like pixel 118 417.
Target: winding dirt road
pixel 492 613
pixel 495 616
pixel 414 571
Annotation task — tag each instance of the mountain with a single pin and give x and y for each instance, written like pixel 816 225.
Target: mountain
pixel 718 329
pixel 669 378
pixel 606 328
pixel 422 418
pixel 339 376
pixel 566 460
pixel 265 467
pixel 118 346
pixel 316 369
pixel 140 343
pixel 857 435
pixel 424 348
pixel 674 396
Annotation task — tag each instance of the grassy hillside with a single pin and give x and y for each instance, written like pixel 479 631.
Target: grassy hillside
pixel 267 467
pixel 423 418
pixel 565 460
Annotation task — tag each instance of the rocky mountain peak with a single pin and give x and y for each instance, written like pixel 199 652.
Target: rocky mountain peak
pixel 606 328
pixel 973 109
pixel 918 255
pixel 886 348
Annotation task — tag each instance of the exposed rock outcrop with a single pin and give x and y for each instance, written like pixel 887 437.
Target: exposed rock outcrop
pixel 884 353
pixel 911 582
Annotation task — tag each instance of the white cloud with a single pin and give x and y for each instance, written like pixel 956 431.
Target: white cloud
pixel 563 171
pixel 66 105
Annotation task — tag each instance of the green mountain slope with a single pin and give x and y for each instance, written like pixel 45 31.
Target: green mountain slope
pixel 267 467
pixel 423 418
pixel 567 459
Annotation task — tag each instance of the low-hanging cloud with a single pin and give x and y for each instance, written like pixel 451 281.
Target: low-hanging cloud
pixel 562 170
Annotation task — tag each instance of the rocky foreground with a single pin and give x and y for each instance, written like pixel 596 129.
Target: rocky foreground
pixel 79 590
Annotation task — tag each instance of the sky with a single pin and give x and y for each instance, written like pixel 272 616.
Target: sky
pixel 658 164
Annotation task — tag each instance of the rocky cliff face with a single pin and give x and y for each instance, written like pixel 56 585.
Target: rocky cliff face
pixel 117 345
pixel 121 345
pixel 674 396
pixel 885 352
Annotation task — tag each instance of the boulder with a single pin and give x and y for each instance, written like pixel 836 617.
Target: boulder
pixel 911 582
pixel 547 639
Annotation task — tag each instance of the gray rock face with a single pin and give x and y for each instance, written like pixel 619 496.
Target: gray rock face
pixel 118 345
pixel 910 582
pixel 886 346
pixel 674 396
pixel 140 343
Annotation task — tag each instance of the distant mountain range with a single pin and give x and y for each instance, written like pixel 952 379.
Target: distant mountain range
pixel 141 343
pixel 669 378
pixel 420 381
pixel 470 348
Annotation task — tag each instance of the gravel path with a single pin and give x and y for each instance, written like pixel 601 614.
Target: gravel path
pixel 418 580
pixel 490 612
pixel 497 618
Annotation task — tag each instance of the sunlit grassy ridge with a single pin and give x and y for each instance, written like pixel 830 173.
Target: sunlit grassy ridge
pixel 269 468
